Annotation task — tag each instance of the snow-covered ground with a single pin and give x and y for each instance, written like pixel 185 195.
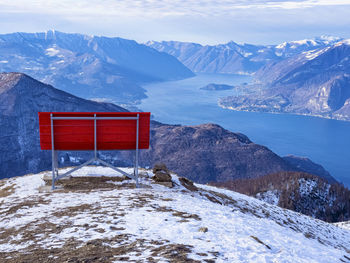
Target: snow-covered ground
pixel 155 223
pixel 345 225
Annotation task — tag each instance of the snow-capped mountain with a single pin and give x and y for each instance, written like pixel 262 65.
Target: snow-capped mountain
pixel 88 66
pixel 292 48
pixel 312 83
pixel 236 58
pixel 185 223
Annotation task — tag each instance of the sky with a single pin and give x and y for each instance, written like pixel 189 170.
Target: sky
pixel 201 21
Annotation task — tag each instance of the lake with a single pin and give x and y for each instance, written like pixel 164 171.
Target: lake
pixel 324 141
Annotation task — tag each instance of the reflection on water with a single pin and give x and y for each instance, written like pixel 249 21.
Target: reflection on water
pixel 183 102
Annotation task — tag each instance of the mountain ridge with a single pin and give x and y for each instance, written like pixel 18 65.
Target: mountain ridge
pixel 234 58
pixel 89 66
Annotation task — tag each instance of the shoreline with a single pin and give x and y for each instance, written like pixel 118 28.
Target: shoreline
pixel 289 113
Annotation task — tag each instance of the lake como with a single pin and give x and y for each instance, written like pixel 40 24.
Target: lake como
pixel 324 141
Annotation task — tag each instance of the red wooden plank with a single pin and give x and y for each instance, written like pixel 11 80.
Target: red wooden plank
pixel 79 134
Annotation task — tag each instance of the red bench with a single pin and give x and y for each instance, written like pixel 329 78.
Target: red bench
pixel 75 131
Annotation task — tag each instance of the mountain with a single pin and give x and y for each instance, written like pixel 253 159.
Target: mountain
pixel 104 218
pixel 306 165
pixel 233 58
pixel 202 153
pixel 313 83
pixel 298 191
pixel 88 66
pixel 209 153
pixel 292 48
pixel 21 98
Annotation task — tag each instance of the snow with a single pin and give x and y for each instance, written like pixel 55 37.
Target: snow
pixel 310 55
pixel 172 215
pixel 345 225
pixel 271 197
pixel 282 45
pixel 305 42
pixel 343 42
pixel 52 52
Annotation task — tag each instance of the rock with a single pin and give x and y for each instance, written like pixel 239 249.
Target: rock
pixel 188 184
pixel 203 229
pixel 162 177
pixel 160 167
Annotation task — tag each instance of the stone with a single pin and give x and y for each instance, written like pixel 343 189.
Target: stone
pixel 203 229
pixel 162 177
pixel 160 167
pixel 188 184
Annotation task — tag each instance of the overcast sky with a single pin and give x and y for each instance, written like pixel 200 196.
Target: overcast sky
pixel 202 21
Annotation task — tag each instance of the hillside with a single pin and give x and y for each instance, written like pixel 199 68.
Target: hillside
pixel 312 83
pixel 113 221
pixel 298 191
pixel 306 165
pixel 207 152
pixel 21 98
pixel 88 66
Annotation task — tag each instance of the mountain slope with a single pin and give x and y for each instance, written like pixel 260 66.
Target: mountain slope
pixel 313 83
pixel 236 58
pixel 21 98
pixel 155 223
pixel 306 165
pixel 88 66
pixel 300 192
pixel 209 153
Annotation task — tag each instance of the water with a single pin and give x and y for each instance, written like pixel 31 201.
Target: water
pixel 323 141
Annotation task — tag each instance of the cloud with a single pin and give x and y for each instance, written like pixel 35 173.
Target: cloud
pixel 204 21
pixel 155 8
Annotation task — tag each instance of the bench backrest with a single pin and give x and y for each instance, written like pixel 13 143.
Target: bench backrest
pixel 78 134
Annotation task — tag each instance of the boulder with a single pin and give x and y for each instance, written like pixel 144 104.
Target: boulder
pixel 160 167
pixel 162 177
